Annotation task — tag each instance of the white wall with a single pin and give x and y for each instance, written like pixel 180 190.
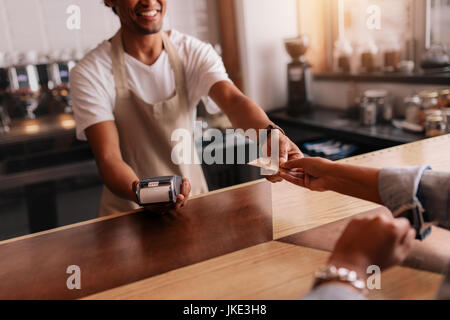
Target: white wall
pixel 40 25
pixel 262 26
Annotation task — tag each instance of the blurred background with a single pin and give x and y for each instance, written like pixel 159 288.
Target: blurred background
pixel 342 77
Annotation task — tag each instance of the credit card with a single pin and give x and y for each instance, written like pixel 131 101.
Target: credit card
pixel 268 164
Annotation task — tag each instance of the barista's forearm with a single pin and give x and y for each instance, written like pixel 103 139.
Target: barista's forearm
pixel 246 114
pixel 355 181
pixel 118 177
pixel 243 112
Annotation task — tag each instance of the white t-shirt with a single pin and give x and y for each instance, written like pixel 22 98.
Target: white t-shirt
pixel 93 89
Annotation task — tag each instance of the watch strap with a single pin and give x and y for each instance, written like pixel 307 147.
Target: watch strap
pixel 273 126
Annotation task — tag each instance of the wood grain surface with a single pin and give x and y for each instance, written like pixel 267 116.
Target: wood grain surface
pixel 220 247
pixel 132 247
pixel 269 271
pixel 432 254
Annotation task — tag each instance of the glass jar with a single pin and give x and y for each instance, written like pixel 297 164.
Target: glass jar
pixel 368 55
pixel 446 113
pixel 343 52
pixel 376 105
pixel 444 99
pixel 391 54
pixel 412 109
pixel 429 99
pixel 435 124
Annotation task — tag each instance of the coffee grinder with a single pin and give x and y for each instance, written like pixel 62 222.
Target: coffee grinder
pixel 299 76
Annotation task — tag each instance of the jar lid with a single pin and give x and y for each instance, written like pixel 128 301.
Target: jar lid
pixel 433 112
pixel 435 118
pixel 412 99
pixel 428 94
pixel 375 93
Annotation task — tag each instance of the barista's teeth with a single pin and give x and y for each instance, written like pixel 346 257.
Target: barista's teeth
pixel 150 13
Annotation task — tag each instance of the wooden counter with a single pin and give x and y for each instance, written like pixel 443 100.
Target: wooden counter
pixel 253 241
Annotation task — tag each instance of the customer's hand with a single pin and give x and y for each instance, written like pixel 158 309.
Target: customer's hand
pixel 182 200
pixel 319 174
pixel 313 173
pixel 288 151
pixel 381 240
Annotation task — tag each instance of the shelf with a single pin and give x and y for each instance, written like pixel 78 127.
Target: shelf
pixel 416 78
pixel 338 125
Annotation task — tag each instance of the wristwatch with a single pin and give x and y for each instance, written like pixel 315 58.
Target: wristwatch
pixel 273 126
pixel 269 129
pixel 332 273
pixel 418 218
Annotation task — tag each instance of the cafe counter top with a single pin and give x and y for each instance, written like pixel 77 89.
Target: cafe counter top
pixel 251 241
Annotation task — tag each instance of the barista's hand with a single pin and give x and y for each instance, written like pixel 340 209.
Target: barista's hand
pixel 182 200
pixel 380 240
pixel 288 151
pixel 313 173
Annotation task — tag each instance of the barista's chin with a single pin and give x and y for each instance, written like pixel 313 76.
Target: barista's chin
pixel 148 30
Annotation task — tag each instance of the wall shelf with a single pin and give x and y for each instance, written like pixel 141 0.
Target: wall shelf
pixel 415 78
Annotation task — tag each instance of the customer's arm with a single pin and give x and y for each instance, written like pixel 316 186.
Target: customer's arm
pixel 390 186
pixel 381 241
pixel 399 185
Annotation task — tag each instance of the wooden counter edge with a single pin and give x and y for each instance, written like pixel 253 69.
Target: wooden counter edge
pixel 122 214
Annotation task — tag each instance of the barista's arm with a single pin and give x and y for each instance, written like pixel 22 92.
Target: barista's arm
pixel 246 114
pixel 116 174
pixel 242 111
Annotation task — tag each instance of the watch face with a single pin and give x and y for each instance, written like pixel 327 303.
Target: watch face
pixel 415 216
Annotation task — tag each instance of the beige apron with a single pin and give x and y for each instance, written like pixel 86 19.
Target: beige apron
pixel 145 129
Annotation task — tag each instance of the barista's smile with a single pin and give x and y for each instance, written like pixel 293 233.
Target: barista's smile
pixel 152 14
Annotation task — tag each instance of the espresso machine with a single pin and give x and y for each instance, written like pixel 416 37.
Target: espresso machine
pixel 24 85
pixel 299 76
pixel 5 120
pixel 59 71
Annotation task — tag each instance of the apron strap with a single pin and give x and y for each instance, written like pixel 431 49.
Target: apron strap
pixel 178 68
pixel 120 70
pixel 118 66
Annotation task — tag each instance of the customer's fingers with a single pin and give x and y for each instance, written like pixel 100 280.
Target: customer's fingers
pixel 408 237
pixel 297 180
pixel 307 181
pixel 403 226
pixel 297 174
pixel 296 163
pixel 274 178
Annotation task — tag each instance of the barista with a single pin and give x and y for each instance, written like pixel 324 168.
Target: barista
pixel 132 91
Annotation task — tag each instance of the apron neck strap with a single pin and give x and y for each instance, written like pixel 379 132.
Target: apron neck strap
pixel 176 64
pixel 118 64
pixel 120 70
